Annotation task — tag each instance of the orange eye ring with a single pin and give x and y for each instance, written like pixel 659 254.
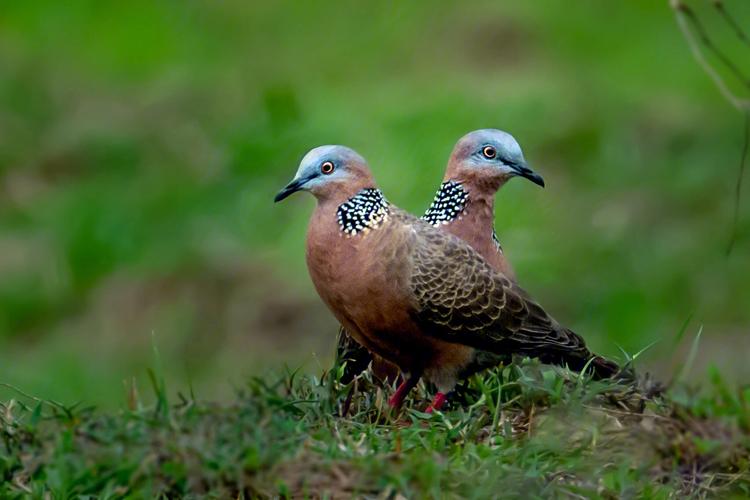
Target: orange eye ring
pixel 489 152
pixel 327 167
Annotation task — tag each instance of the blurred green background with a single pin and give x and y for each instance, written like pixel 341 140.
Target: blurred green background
pixel 141 144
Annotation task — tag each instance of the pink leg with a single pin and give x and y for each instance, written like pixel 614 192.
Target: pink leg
pixel 437 403
pixel 406 386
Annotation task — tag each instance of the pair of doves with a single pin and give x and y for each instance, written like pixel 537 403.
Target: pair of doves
pixel 434 296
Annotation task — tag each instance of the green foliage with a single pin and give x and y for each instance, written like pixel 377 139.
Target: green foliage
pixel 520 430
pixel 141 145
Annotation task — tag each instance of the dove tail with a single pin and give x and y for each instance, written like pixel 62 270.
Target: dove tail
pixel 576 356
pixel 599 367
pixel 604 368
pixel 349 351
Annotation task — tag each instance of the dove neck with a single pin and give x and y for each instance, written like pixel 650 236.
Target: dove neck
pixel 362 212
pixel 449 203
pixel 480 209
pixel 471 198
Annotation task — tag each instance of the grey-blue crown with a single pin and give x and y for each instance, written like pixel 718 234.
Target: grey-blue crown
pixel 508 149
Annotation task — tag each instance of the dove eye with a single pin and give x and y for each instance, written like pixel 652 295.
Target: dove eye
pixel 489 152
pixel 327 167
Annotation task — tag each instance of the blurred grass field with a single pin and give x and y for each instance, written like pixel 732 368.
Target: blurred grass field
pixel 141 145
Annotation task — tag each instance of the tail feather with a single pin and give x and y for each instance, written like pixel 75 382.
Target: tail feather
pixel 569 349
pixel 580 358
pixel 600 367
pixel 604 368
pixel 349 351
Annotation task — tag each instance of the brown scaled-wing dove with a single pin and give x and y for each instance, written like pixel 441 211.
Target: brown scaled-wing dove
pixel 482 161
pixel 414 295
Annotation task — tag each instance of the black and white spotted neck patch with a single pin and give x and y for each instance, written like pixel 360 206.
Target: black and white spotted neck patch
pixel 449 202
pixel 364 211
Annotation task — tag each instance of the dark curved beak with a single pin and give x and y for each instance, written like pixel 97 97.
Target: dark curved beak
pixel 290 188
pixel 526 172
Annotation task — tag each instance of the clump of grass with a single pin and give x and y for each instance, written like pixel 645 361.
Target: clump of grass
pixel 520 430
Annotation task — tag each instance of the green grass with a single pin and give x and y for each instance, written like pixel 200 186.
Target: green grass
pixel 520 431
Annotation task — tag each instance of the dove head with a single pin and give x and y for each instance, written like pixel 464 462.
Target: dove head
pixel 489 155
pixel 330 172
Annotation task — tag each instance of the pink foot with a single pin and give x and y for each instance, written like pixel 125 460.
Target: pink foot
pixel 437 403
pixel 403 389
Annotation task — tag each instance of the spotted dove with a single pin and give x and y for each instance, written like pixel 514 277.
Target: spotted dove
pixel 463 206
pixel 414 295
